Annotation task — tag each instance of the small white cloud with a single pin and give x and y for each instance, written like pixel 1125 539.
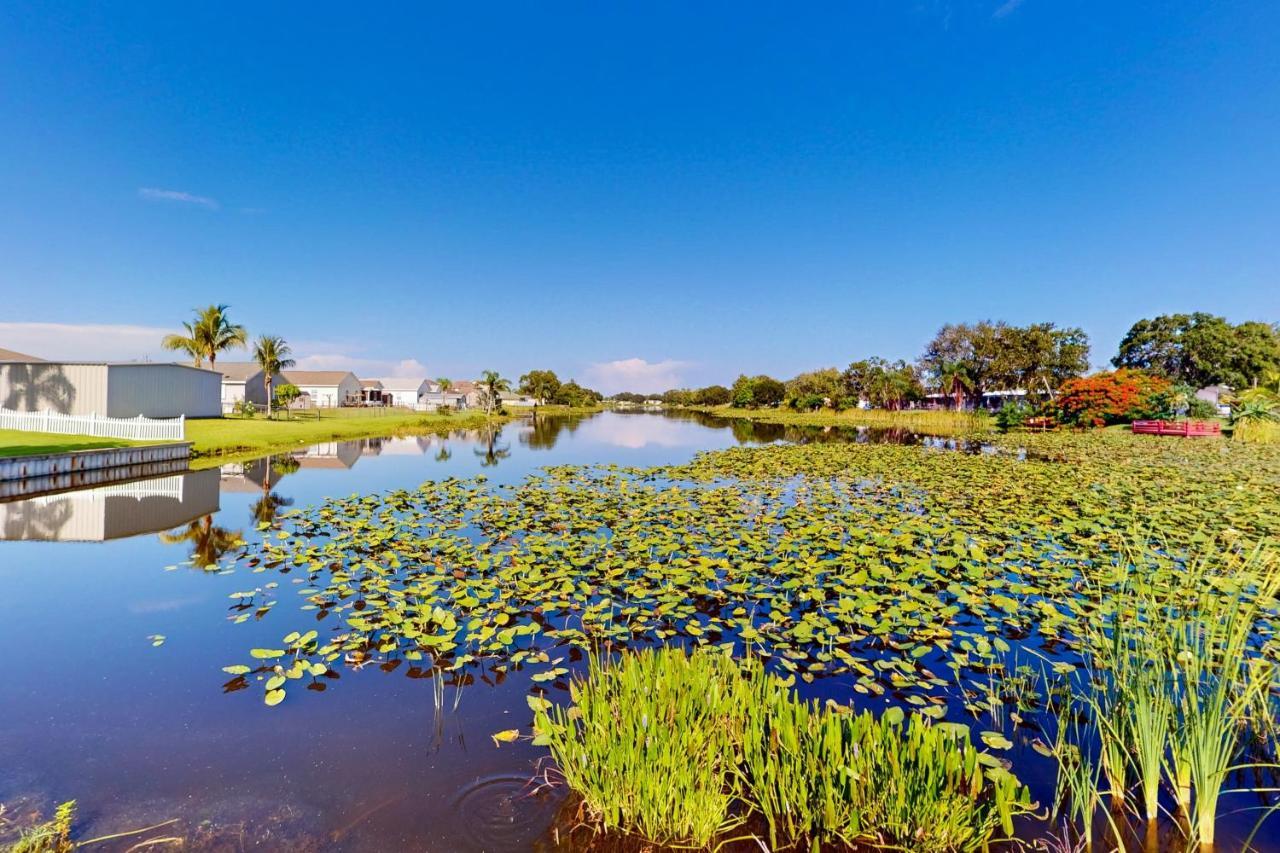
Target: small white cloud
pixel 1007 8
pixel 154 194
pixel 635 374
pixel 87 341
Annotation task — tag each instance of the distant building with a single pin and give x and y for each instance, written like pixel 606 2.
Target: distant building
pixel 242 380
pixel 325 388
pixel 512 398
pixel 1217 395
pixel 408 392
pixel 371 393
pixel 113 389
pixel 468 392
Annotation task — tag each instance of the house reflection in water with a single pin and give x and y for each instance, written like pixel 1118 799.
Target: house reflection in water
pixel 112 512
pixel 332 454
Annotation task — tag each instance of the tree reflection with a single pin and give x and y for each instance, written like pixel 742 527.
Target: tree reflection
pixel 209 543
pixel 491 453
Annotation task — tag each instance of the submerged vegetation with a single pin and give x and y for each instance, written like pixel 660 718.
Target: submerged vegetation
pixel 681 749
pixel 922 576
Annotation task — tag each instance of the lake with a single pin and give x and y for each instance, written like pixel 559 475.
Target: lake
pixel 141 734
pixel 116 638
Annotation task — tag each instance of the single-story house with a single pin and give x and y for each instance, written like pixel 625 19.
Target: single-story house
pixel 513 398
pixel 1218 396
pixel 113 389
pixel 242 380
pixel 468 391
pixel 405 391
pixel 325 388
pixel 371 393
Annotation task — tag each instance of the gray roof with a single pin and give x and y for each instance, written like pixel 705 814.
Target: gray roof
pixel 237 371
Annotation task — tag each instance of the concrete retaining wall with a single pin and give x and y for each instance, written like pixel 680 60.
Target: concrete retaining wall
pixel 56 464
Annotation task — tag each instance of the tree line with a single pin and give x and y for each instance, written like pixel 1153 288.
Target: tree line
pixel 963 362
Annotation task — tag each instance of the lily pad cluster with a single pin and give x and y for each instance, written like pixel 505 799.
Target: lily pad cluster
pixel 897 568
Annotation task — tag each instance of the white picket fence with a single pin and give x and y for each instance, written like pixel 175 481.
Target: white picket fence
pixel 137 429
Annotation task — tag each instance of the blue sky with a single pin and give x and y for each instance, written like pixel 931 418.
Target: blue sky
pixel 636 195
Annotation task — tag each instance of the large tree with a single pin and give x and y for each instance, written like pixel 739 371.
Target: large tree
pixel 967 360
pixel 207 335
pixel 815 388
pixel 758 391
pixel 1201 349
pixel 540 384
pixel 882 383
pixel 274 357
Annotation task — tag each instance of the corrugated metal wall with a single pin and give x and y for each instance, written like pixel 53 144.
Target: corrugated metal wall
pixel 72 389
pixel 163 391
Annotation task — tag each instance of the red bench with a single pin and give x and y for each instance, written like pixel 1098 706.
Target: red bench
pixel 1187 429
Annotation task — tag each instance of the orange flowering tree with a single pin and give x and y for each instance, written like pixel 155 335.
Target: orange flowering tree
pixel 1112 397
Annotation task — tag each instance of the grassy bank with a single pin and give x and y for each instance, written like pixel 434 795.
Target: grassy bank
pixel 218 437
pixel 20 443
pixel 937 422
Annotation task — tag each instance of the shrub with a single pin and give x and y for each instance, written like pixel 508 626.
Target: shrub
pixel 1013 414
pixel 679 748
pixel 1112 397
pixel 245 408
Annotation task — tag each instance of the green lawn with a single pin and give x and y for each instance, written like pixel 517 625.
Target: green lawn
pixel 237 435
pixel 19 443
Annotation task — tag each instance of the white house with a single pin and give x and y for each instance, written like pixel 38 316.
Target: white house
pixel 114 389
pixel 513 398
pixel 371 393
pixel 242 380
pixel 1218 395
pixel 325 388
pixel 405 391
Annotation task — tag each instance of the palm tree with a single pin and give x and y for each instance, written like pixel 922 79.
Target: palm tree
pixel 210 334
pixel 493 385
pixel 953 379
pixel 272 355
pixel 445 384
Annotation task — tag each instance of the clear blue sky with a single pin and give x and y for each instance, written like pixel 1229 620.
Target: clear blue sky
pixel 723 186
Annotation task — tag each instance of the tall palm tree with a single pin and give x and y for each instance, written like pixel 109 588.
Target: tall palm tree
pixel 272 355
pixel 493 385
pixel 953 379
pixel 210 334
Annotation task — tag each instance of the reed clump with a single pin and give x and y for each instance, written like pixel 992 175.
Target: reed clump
pixel 1174 683
pixel 681 749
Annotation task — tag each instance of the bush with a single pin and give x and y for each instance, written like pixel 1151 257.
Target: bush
pixel 245 408
pixel 1118 396
pixel 1013 414
pixel 678 748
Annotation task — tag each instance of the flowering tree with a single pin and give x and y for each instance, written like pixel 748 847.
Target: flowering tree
pixel 1113 397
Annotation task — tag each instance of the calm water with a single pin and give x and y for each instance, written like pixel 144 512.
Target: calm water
pixel 142 734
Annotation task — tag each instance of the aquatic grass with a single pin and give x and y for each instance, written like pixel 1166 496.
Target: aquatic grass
pixel 731 740
pixel 52 836
pixel 1217 684
pixel 650 744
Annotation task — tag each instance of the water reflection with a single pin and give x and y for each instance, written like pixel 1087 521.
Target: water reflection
pixel 181 507
pixel 113 512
